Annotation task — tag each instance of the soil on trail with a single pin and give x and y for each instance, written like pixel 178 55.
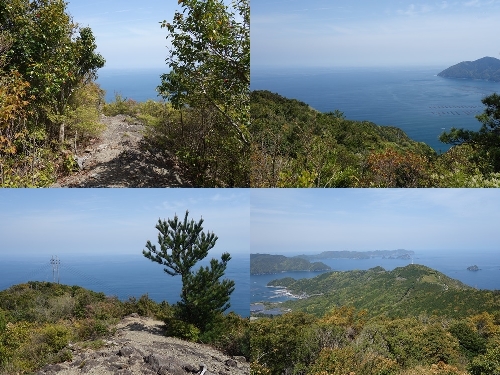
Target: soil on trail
pixel 139 346
pixel 122 158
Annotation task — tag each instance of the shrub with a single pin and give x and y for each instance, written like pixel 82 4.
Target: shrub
pixel 230 334
pixel 121 106
pixel 91 329
pixel 180 329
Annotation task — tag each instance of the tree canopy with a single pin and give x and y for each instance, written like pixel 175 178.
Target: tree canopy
pixel 46 62
pixel 182 244
pixel 485 141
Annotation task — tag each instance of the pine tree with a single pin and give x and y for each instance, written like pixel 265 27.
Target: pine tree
pixel 182 245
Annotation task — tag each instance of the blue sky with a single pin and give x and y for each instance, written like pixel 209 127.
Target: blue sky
pixel 312 220
pixel 60 222
pixel 372 33
pixel 127 32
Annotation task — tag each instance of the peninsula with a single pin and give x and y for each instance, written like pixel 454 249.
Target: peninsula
pixel 269 264
pixel 486 68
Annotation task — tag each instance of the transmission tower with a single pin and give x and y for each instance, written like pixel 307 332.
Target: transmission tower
pixel 55 268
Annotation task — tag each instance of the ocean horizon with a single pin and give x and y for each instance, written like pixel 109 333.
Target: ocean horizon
pixel 123 276
pixel 135 84
pixel 414 99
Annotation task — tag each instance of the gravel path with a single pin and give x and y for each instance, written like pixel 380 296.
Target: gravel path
pixel 139 346
pixel 122 158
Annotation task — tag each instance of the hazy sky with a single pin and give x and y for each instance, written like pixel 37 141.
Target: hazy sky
pixel 115 221
pixel 127 32
pixel 372 33
pixel 316 220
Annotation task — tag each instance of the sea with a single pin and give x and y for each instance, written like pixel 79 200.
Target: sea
pixel 414 99
pixel 135 84
pixel 122 276
pixel 452 264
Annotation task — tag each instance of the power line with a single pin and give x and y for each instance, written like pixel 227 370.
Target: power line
pixel 56 266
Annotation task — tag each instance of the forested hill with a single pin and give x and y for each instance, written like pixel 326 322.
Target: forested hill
pixel 405 291
pixel 487 68
pixel 295 145
pixel 268 264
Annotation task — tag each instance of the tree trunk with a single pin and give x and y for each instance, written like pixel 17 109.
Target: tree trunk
pixel 61 133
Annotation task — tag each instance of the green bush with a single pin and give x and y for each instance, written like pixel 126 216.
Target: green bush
pixel 121 106
pixel 486 364
pixel 229 334
pixel 91 329
pixel 56 337
pixel 180 329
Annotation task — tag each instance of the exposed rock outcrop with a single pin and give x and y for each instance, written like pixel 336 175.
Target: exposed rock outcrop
pixel 140 347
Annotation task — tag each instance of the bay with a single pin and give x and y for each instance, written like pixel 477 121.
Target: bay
pixel 414 99
pixel 452 264
pixel 122 276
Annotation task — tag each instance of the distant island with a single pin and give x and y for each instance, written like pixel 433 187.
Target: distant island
pixel 269 264
pixel 385 254
pixel 487 68
pixel 473 268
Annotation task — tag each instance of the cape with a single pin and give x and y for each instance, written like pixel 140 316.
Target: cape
pixel 487 68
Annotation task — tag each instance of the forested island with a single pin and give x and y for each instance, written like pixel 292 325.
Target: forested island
pixel 487 68
pixel 268 264
pixel 385 254
pixel 412 320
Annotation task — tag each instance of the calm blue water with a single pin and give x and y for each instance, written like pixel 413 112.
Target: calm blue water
pixel 454 266
pixel 123 276
pixel 139 85
pixel 413 99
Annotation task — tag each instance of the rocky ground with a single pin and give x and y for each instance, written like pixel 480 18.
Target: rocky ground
pixel 140 347
pixel 122 158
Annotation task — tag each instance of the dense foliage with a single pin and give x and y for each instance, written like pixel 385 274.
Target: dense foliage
pixel 47 68
pixel 410 321
pixel 414 288
pixel 208 83
pixel 266 263
pixel 294 145
pixel 484 143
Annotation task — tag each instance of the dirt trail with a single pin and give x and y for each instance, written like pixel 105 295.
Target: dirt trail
pixel 122 158
pixel 139 346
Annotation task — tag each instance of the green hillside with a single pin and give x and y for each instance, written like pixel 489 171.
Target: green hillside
pixel 487 68
pixel 43 323
pixel 409 321
pixel 266 263
pixel 405 291
pixel 294 145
